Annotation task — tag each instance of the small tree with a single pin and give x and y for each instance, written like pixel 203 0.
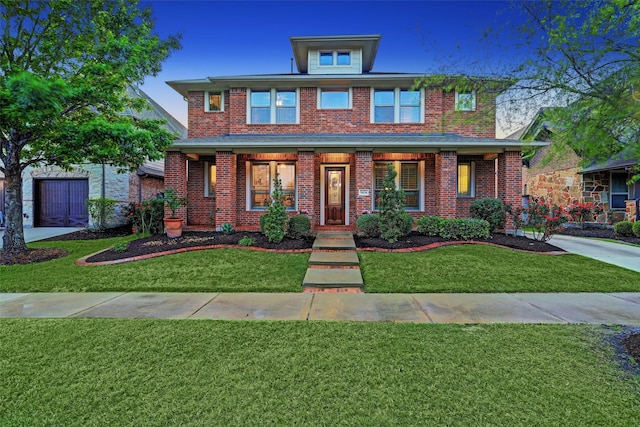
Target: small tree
pixel 275 220
pixel 100 211
pixel 391 205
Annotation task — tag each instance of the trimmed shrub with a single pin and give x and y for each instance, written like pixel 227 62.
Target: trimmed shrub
pixel 368 225
pixel 624 228
pixel 491 210
pixel 299 227
pixel 429 225
pixel 464 228
pixel 391 204
pixel 636 228
pixel 275 220
pixel 407 224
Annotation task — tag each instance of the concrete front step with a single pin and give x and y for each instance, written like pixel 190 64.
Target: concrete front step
pixel 334 258
pixel 334 235
pixel 334 244
pixel 333 278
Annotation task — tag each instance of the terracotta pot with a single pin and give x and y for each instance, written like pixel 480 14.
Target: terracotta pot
pixel 173 227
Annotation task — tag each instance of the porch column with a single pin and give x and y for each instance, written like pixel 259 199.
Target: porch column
pixel 306 184
pixel 225 188
pixel 175 176
pixel 510 181
pixel 447 183
pixel 364 187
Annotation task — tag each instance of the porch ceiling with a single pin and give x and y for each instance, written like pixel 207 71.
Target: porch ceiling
pixel 378 143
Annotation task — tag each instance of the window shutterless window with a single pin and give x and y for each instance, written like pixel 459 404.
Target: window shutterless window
pixel 466 100
pixel 619 190
pixel 329 58
pixel 273 106
pixel 466 178
pixel 210 180
pixel 397 106
pixel 213 101
pixel 408 179
pixel 343 58
pixel 261 184
pixel 326 58
pixel 334 98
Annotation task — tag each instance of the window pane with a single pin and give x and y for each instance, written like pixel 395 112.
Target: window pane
pixel 326 58
pixel 260 115
pixel 618 201
pixel 383 97
pixel 260 99
pixel 411 199
pixel 287 174
pixel 344 58
pixel 409 176
pixel 464 179
pixel 334 98
pixel 383 115
pixel 285 115
pixel 285 99
pixel 212 180
pixel 466 101
pixel 379 173
pixel 410 98
pixel 214 101
pixel 619 183
pixel 260 185
pixel 409 114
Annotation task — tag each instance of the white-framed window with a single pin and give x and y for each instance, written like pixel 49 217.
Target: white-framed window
pixel 619 190
pixel 465 100
pixel 209 179
pixel 214 102
pixel 409 178
pixel 334 99
pixel 260 183
pixel 466 179
pixel 332 58
pixel 397 105
pixel 273 106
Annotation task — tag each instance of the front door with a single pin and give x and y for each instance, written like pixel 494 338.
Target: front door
pixel 334 209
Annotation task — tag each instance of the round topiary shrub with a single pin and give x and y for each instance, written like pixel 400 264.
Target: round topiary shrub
pixel 636 228
pixel 623 228
pixel 299 227
pixel 368 225
pixel 407 224
pixel 491 210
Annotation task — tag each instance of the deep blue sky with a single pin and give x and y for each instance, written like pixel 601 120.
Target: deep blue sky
pixel 252 37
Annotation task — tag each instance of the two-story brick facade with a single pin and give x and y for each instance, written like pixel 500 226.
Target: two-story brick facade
pixel 329 132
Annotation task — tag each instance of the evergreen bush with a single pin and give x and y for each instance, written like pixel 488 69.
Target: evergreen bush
pixel 429 225
pixel 624 228
pixel 299 227
pixel 391 205
pixel 491 210
pixel 636 228
pixel 368 225
pixel 275 220
pixel 407 224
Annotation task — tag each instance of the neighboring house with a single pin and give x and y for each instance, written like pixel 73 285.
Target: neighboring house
pixel 329 132
pixel 53 197
pixel 563 181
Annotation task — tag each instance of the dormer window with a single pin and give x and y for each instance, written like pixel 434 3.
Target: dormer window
pixel 342 58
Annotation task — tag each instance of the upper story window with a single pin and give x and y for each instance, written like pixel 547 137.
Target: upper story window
pixel 273 106
pixel 328 58
pixel 213 101
pixel 334 98
pixel 466 100
pixel 397 106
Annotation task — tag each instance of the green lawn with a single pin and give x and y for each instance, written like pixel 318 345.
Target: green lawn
pixel 478 268
pixel 88 372
pixel 220 270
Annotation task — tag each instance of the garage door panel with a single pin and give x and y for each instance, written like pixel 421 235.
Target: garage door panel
pixel 61 203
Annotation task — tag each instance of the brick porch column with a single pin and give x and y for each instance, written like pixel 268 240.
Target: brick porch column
pixel 175 176
pixel 447 183
pixel 364 174
pixel 306 184
pixel 510 181
pixel 225 188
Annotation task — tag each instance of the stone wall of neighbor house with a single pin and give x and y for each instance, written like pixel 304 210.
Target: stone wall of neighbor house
pixel 561 187
pixel 116 187
pixel 630 211
pixel 440 116
pixel 595 188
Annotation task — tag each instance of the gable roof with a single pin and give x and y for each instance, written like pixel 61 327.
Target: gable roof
pixel 155 111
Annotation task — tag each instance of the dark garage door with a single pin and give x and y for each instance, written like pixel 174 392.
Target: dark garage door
pixel 61 202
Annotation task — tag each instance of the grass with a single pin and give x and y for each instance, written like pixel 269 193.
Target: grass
pixel 88 372
pixel 218 270
pixel 476 268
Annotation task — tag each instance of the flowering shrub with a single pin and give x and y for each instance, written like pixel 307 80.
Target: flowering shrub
pixel 584 212
pixel 146 216
pixel 546 220
pixel 517 216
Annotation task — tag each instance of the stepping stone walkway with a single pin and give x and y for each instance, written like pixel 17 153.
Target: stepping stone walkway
pixel 333 265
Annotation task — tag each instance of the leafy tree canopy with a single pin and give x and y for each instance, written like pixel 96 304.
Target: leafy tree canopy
pixel 64 69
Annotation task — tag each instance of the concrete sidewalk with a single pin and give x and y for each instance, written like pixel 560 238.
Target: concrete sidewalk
pixel 626 256
pixel 39 233
pixel 594 308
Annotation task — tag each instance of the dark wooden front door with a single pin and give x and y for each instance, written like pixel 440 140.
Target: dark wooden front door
pixel 61 202
pixel 334 206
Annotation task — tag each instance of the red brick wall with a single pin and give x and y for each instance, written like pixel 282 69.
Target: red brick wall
pixel 364 178
pixel 175 173
pixel 439 116
pixel 144 188
pixel 510 180
pixel 484 184
pixel 201 209
pixel 446 171
pixel 226 188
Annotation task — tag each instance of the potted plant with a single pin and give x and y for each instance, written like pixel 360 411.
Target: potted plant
pixel 173 224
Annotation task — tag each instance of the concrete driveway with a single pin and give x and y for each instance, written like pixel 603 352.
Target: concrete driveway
pixel 626 256
pixel 39 233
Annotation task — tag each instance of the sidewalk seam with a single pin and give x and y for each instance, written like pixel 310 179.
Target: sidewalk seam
pixel 203 306
pixel 539 308
pixel 96 305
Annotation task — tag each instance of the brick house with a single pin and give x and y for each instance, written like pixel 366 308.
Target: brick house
pixel 329 132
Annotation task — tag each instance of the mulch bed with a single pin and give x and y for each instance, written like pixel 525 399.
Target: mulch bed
pixel 631 345
pixel 600 233
pixel 31 256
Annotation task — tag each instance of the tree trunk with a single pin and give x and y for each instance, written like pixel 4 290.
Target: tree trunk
pixel 13 240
